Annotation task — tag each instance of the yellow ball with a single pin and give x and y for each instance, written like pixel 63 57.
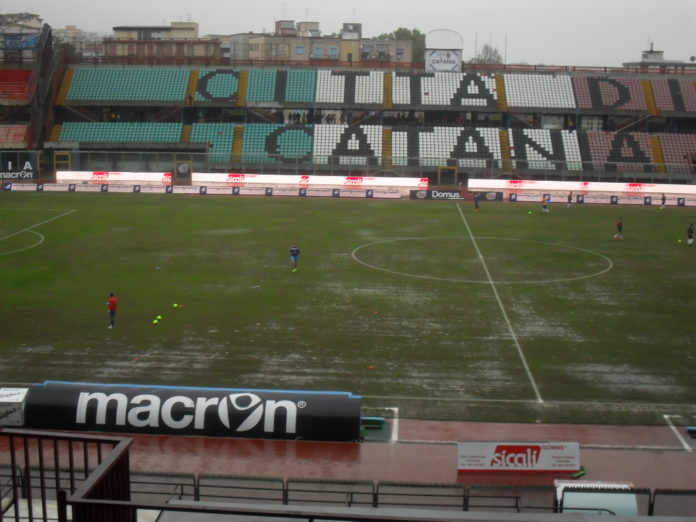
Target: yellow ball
pixel 155 321
pixel 175 305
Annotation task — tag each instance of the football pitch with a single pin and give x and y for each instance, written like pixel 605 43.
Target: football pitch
pixel 425 306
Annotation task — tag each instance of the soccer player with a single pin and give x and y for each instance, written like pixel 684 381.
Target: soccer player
pixel 619 229
pixel 112 306
pixel 294 254
pixel 545 204
pixel 477 198
pixel 570 200
pixel 664 201
pixel 690 234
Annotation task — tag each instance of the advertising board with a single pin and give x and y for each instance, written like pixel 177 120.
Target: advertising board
pixel 516 457
pixel 171 410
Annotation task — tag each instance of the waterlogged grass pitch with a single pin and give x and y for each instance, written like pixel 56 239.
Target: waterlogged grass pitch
pixel 430 307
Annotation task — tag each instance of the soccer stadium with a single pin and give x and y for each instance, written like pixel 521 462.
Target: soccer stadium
pixel 488 312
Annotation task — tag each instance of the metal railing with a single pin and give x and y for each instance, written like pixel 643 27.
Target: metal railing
pixel 55 476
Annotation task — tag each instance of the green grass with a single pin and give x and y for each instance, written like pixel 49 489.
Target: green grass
pixel 391 302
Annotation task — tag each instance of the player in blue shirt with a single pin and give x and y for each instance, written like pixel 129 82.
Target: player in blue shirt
pixel 294 254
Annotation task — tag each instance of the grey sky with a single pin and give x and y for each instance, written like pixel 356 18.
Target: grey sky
pixel 558 32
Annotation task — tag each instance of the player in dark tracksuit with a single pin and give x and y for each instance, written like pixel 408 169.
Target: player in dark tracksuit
pixel 690 234
pixel 294 254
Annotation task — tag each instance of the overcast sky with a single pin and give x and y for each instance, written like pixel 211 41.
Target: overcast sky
pixel 552 32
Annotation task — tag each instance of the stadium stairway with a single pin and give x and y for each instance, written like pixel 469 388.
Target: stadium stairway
pixel 65 87
pixel 55 132
pixel 649 97
pixel 237 143
pixel 186 134
pixel 243 88
pixel 500 90
pixel 658 156
pixel 387 148
pixel 505 149
pixel 388 81
pixel 192 84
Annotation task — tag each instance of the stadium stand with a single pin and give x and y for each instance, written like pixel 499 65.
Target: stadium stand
pixel 675 150
pixel 531 149
pixel 301 86
pixel 536 90
pixel 107 84
pixel 14 86
pixel 610 94
pixel 267 142
pixel 626 151
pixel 219 137
pixel 347 145
pixel 133 132
pixel 262 85
pixel 14 136
pixel 217 85
pixel 540 149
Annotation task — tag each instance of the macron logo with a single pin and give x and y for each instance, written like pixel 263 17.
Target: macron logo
pixel 238 412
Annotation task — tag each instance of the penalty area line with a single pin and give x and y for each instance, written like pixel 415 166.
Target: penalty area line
pixel 491 282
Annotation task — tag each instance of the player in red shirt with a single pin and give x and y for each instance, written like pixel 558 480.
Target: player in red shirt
pixel 619 229
pixel 112 307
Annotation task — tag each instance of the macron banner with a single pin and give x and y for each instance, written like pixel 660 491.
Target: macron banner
pixel 212 412
pixel 516 457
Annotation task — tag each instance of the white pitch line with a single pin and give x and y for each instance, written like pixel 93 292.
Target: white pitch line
pixel 683 441
pixel 394 437
pixel 25 229
pixel 41 240
pixel 502 308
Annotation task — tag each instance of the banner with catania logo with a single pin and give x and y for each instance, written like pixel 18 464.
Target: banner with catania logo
pixel 546 457
pixel 216 412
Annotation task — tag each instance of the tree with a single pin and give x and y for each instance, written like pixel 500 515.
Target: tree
pixel 416 38
pixel 487 54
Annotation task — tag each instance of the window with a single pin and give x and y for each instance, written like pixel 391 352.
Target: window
pixel 318 52
pixel 333 52
pixel 299 50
